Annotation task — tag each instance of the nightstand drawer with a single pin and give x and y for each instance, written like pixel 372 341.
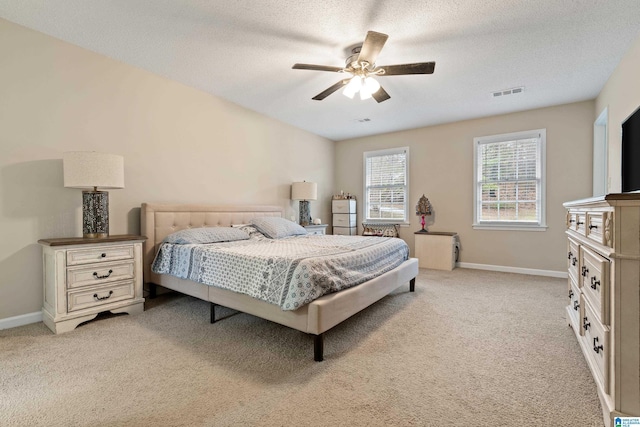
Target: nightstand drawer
pixel 86 298
pixel 101 254
pixel 99 273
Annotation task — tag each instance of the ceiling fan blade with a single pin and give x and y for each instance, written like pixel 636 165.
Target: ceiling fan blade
pixel 316 67
pixel 380 95
pixel 372 46
pixel 417 68
pixel 322 95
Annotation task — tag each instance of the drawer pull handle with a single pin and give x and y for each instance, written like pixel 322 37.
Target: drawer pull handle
pixel 574 261
pixel 585 271
pixel 591 226
pixel 570 255
pixel 102 298
pixel 597 348
pixel 585 324
pixel 103 255
pixel 572 220
pixel 96 276
pixel 570 294
pixel 576 305
pixel 594 282
pixel 579 223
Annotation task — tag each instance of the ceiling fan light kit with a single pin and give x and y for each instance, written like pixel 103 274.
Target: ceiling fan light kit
pixel 362 65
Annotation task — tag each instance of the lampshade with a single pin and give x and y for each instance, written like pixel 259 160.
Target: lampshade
pixel 89 169
pixel 304 191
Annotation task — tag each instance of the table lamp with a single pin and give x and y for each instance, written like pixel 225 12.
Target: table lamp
pixel 423 208
pixel 90 170
pixel 304 191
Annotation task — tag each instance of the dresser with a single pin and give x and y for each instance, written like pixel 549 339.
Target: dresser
pixel 84 277
pixel 603 294
pixel 344 217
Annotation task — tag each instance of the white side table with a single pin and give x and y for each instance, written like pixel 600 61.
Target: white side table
pixel 316 228
pixel 436 250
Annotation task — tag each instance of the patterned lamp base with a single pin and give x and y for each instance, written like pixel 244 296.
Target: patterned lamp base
pixel 95 214
pixel 305 213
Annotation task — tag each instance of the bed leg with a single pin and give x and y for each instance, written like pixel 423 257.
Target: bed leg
pixel 412 285
pixel 213 312
pixel 318 347
pixel 153 290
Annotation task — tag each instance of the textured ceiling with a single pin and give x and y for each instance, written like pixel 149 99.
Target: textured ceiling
pixel 242 50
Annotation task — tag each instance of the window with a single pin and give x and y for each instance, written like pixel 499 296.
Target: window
pixel 386 185
pixel 509 187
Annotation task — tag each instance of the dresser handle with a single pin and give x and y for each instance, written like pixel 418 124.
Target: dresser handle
pixel 95 275
pixel 576 305
pixel 579 223
pixel 594 282
pixel 103 255
pixel 591 226
pixel 596 347
pixel 570 294
pixel 574 261
pixel 585 324
pixel 572 220
pixel 570 255
pixel 101 298
pixel 585 271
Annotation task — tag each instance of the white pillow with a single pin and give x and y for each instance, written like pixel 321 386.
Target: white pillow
pixel 276 227
pixel 206 235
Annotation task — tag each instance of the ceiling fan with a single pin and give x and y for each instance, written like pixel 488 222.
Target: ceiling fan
pixel 362 65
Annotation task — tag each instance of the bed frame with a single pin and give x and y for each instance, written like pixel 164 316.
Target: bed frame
pixel 315 318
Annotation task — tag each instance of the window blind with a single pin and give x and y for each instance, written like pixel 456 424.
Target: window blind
pixel 509 180
pixel 386 185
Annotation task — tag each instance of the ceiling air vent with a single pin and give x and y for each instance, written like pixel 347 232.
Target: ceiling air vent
pixel 364 120
pixel 506 92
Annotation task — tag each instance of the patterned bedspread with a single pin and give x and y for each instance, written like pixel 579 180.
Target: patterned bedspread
pixel 289 272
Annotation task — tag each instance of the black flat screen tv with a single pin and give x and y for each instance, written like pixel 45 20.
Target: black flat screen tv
pixel 631 153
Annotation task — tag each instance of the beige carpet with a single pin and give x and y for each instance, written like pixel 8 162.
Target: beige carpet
pixel 468 348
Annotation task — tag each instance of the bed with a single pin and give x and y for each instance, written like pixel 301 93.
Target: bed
pixel 315 318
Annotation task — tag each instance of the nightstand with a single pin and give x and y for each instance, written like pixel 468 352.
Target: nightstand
pixel 316 228
pixel 84 277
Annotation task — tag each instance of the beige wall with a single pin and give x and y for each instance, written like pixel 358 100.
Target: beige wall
pixel 179 145
pixel 442 166
pixel 621 94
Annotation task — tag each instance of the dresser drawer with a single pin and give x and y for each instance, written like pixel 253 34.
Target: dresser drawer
pixel 345 231
pixel 574 305
pixel 99 254
pixel 343 206
pixel 599 226
pixel 99 273
pixel 596 337
pixel 86 298
pixel 344 220
pixel 573 254
pixel 595 282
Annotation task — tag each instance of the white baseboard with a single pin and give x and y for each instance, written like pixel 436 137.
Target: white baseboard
pixel 23 319
pixel 505 269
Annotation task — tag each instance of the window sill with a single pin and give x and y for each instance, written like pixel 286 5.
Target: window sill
pixel 510 227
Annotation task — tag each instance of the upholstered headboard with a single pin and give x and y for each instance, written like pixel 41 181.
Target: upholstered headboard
pixel 157 221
